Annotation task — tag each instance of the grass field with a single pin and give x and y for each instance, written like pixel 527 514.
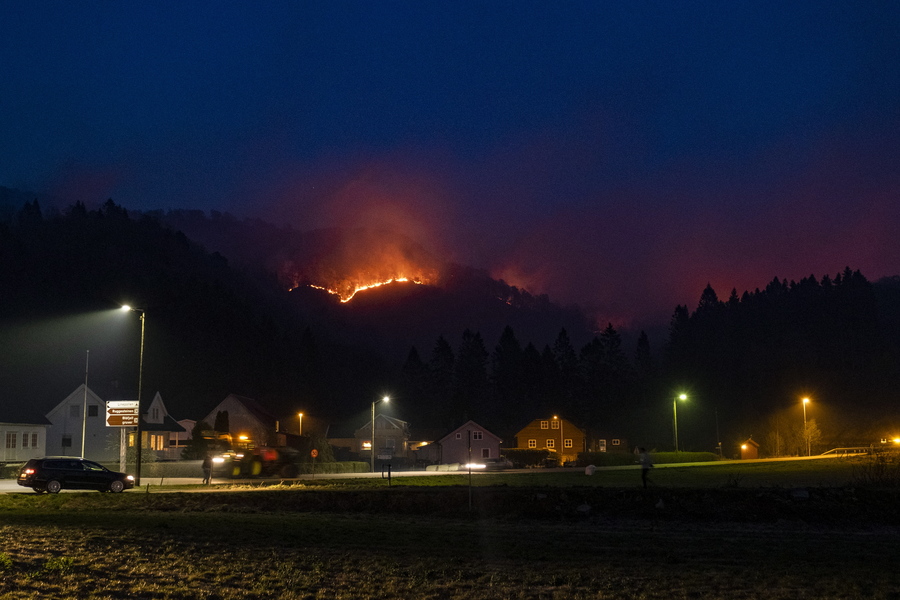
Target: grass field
pixel 733 533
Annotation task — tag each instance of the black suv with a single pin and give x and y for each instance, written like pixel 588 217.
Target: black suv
pixel 55 473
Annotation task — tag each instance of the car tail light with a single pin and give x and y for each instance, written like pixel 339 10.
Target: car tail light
pixel 28 472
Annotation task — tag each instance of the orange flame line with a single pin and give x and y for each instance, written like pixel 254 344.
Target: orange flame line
pixel 360 288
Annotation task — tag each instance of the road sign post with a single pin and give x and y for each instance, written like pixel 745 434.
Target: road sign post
pixel 122 414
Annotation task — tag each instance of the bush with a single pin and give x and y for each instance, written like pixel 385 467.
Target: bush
pixel 881 469
pixel 526 457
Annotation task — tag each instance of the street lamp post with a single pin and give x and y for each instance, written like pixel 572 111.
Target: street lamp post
pixel 372 442
pixel 681 397
pixel 138 432
pixel 562 459
pixel 805 430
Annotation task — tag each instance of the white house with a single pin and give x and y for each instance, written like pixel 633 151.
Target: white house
pixel 69 425
pixel 246 417
pixel 468 442
pixel 158 428
pixel 22 441
pixel 391 438
pixel 101 443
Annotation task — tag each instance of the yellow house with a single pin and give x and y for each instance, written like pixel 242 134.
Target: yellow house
pixel 561 437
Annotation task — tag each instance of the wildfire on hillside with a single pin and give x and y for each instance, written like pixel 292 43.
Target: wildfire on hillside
pixel 345 263
pixel 345 294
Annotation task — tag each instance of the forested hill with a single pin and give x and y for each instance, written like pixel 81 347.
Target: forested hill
pixel 751 358
pixel 211 329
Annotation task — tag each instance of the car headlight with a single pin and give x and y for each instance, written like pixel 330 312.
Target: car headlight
pixel 129 477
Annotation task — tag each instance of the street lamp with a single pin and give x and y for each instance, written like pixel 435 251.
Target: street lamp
pixel 805 430
pixel 138 433
pixel 372 443
pixel 681 397
pixel 562 460
pixel 300 419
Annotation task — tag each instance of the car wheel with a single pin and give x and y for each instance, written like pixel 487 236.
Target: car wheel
pixel 116 486
pixel 53 486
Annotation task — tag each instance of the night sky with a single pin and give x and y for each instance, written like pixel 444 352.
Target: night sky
pixel 620 155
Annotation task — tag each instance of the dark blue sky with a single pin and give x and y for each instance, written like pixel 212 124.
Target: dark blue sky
pixel 616 154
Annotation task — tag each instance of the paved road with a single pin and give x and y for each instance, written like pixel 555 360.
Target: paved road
pixel 9 486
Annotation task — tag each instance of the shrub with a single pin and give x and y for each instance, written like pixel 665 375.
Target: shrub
pixel 881 469
pixel 6 562
pixel 526 457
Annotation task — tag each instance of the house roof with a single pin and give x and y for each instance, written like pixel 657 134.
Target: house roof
pixel 468 426
pixel 392 422
pixel 168 424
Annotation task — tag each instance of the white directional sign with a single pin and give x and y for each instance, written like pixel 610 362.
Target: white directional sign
pixel 122 413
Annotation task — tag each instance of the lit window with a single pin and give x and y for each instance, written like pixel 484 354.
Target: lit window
pixel 601 445
pixel 568 443
pixel 367 444
pixel 532 443
pixel 554 424
pixel 551 444
pixel 616 442
pixel 545 425
pixel 477 435
pixel 93 410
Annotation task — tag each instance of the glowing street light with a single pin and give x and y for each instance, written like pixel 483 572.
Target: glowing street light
pixel 300 419
pixel 372 443
pixel 681 397
pixel 805 430
pixel 138 433
pixel 561 445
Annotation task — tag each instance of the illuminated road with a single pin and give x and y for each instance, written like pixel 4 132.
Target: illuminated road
pixel 8 486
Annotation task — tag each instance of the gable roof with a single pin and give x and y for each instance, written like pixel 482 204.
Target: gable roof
pixel 392 423
pixel 469 426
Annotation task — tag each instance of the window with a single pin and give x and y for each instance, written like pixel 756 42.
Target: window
pixel 34 439
pixel 93 410
pixel 477 435
pixel 551 444
pixel 11 439
pixel 616 442
pixel 545 425
pixel 156 442
pixel 601 445
pixel 532 443
pixel 459 435
pixel 568 443
pixel 485 453
pixel 154 414
pixel 74 411
pixel 554 424
pixel 67 440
